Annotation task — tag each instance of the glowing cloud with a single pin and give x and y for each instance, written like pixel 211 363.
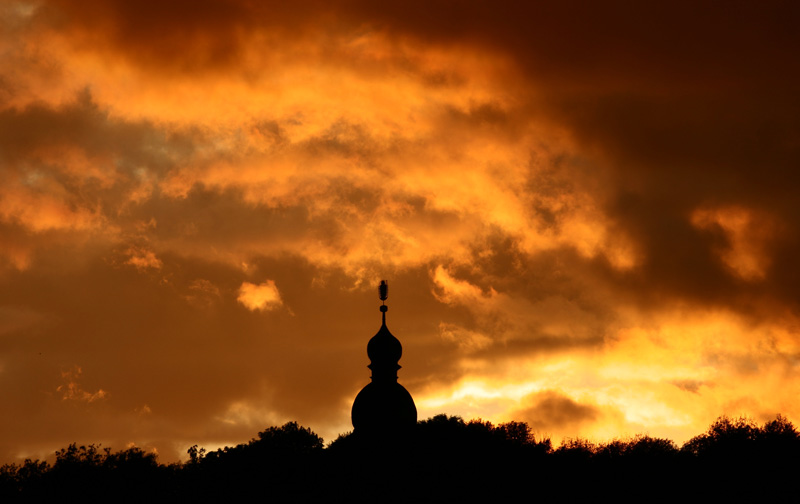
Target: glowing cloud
pixel 143 259
pixel 262 297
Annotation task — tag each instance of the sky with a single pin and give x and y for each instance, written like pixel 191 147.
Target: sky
pixel 587 214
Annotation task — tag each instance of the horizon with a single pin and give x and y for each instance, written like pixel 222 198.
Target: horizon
pixel 587 214
pixel 723 429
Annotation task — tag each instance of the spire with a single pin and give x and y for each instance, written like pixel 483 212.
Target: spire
pixel 384 350
pixel 383 293
pixel 384 404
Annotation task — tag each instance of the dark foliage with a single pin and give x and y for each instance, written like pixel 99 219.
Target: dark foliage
pixel 279 462
pixel 443 459
pixel 92 473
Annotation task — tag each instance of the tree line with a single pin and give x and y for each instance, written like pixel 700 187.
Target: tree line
pixel 443 459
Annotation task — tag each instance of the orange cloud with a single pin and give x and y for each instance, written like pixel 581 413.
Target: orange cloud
pixel 748 234
pixel 71 390
pixel 143 259
pixel 262 297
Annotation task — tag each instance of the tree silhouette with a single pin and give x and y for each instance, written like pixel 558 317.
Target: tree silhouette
pixel 280 458
pixel 444 459
pixel 726 439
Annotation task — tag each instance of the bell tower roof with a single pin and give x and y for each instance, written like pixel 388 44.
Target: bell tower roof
pixel 383 406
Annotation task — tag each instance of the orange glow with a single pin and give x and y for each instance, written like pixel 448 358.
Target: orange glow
pixel 196 209
pixel 264 296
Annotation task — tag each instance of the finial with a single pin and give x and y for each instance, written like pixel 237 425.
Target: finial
pixel 383 289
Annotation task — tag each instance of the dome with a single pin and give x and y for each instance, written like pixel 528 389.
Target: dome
pixel 383 407
pixel 384 347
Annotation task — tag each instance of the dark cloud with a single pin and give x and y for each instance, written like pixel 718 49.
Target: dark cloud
pixel 178 36
pixel 80 122
pixel 551 411
pixel 687 105
pixel 689 385
pixel 575 45
pixel 593 46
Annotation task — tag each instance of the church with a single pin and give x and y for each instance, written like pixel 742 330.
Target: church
pixel 383 406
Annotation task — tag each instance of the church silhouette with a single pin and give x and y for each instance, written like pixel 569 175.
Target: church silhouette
pixel 383 406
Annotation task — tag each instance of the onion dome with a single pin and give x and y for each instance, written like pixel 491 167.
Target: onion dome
pixel 384 350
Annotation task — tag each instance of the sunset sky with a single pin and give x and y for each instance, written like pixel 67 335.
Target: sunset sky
pixel 587 213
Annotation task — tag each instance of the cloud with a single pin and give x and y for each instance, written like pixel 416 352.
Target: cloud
pixel 261 297
pixel 143 259
pixel 468 341
pixel 747 236
pixel 550 411
pixel 588 214
pixel 72 391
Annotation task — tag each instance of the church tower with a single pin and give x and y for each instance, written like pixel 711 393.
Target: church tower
pixel 383 407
